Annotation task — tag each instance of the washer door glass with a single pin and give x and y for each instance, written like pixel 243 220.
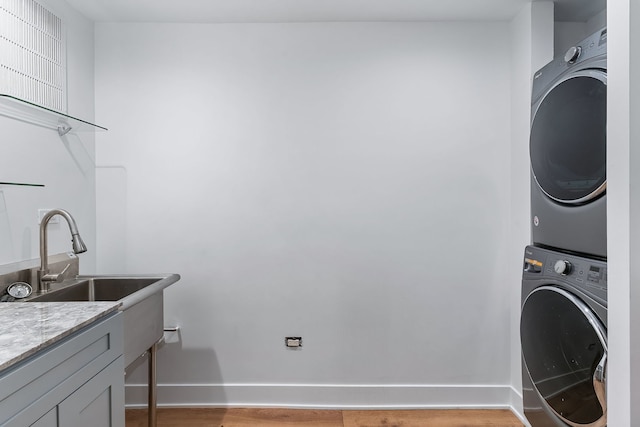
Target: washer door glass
pixel 568 141
pixel 564 350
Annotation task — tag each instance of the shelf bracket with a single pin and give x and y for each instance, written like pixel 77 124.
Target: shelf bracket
pixel 64 129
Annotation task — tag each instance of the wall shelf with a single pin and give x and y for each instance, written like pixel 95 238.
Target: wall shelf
pixel 21 184
pixel 25 111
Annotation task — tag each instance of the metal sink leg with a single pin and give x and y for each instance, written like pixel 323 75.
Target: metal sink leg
pixel 153 396
pixel 153 379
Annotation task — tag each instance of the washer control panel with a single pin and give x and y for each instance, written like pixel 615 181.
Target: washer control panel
pixel 540 263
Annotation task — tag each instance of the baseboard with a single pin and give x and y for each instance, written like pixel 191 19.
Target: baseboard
pixel 325 396
pixel 516 406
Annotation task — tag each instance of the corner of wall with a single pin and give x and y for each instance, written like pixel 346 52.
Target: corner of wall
pixel 532 47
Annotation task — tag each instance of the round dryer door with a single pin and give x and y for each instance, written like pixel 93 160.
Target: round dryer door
pixel 565 352
pixel 568 141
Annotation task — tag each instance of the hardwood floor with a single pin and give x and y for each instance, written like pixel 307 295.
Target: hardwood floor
pixel 250 417
pixel 431 418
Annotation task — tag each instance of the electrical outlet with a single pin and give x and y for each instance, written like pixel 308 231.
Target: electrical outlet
pixel 293 342
pixel 42 212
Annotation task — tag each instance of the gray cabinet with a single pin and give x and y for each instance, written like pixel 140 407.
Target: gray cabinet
pixel 76 382
pixel 93 404
pixel 50 419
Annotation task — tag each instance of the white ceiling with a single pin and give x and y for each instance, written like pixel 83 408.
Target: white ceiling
pixel 319 10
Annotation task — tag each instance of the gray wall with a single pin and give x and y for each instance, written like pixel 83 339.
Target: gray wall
pixel 348 183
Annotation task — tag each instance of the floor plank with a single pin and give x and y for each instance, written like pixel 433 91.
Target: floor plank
pixel 431 418
pixel 236 417
pixel 257 417
pixel 170 417
pixel 281 417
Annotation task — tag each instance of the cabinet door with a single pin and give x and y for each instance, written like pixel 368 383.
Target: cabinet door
pixel 50 419
pixel 99 402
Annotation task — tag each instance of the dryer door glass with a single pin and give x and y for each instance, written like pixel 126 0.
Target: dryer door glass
pixel 564 349
pixel 568 140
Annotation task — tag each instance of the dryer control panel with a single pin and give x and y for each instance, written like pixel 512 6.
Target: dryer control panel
pixel 587 53
pixel 587 274
pixel 587 48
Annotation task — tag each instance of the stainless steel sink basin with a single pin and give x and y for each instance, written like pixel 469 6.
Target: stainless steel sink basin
pixel 141 299
pixel 98 289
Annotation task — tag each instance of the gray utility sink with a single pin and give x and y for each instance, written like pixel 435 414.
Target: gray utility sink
pixel 142 304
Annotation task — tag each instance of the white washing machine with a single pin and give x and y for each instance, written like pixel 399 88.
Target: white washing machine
pixel 563 334
pixel 567 148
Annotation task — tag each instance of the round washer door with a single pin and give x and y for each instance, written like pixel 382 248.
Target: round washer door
pixel 564 349
pixel 568 140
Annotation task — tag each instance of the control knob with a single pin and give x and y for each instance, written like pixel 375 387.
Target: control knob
pixel 562 267
pixel 572 54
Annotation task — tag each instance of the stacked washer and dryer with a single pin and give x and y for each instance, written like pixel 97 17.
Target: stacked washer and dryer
pixel 563 323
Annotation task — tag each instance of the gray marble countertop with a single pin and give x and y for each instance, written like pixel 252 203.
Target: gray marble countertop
pixel 33 326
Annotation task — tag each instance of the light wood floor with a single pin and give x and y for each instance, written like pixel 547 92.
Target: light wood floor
pixel 209 417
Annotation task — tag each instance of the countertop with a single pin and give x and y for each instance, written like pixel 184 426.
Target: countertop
pixel 33 326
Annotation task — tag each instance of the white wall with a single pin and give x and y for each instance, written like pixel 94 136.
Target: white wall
pixel 343 182
pixel 623 206
pixel 567 34
pixel 531 48
pixel 64 165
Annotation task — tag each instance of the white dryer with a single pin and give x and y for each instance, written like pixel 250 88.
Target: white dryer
pixel 567 148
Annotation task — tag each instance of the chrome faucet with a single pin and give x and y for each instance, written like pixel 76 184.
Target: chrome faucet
pixel 44 277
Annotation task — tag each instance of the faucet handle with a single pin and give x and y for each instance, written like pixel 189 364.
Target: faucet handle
pixel 55 277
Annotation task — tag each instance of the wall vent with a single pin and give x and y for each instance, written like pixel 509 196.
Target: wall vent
pixel 32 54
